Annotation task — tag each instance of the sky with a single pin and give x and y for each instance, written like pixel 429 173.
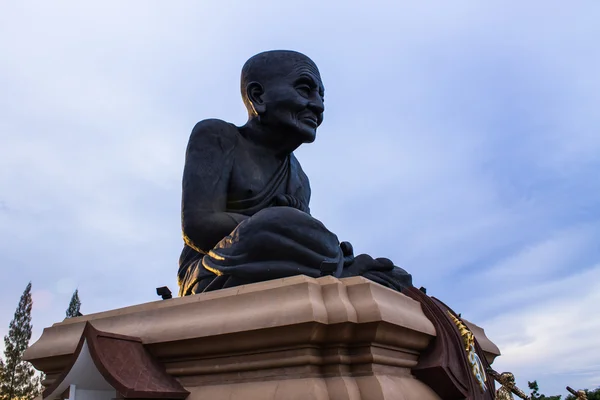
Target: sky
pixel 461 140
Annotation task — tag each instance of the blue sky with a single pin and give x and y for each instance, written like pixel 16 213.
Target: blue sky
pixel 460 139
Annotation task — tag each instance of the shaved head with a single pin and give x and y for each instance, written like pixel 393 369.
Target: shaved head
pixel 268 66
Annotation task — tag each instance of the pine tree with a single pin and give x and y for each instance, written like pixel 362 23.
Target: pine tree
pixel 17 377
pixel 74 305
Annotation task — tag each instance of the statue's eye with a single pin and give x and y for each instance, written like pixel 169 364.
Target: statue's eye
pixel 304 90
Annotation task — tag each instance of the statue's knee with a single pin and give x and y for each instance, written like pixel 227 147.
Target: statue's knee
pixel 276 217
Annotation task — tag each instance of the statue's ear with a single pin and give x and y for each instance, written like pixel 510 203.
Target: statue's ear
pixel 254 92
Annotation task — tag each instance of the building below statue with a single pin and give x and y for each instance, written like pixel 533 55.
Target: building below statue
pixel 292 338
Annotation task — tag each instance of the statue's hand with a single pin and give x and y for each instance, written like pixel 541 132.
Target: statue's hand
pixel 286 200
pixel 380 270
pixel 364 263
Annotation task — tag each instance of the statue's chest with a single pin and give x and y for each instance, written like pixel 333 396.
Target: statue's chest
pixel 251 176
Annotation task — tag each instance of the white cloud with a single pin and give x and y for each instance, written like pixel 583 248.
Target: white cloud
pixel 555 338
pixel 459 140
pixel 544 259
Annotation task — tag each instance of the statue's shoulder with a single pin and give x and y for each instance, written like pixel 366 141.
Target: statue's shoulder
pixel 214 131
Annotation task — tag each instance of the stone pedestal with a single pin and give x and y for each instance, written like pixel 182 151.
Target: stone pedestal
pixel 292 338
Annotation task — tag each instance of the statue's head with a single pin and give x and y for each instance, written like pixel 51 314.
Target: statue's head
pixel 283 90
pixel 508 378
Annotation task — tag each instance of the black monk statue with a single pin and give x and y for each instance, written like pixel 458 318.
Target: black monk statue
pixel 245 205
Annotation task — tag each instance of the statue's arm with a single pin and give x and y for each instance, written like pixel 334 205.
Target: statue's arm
pixel 208 164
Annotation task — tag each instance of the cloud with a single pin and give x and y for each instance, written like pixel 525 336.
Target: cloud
pixel 459 140
pixel 552 337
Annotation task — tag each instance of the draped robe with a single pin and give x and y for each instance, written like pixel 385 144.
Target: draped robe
pixel 236 233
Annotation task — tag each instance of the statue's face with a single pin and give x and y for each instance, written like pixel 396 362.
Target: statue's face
pixel 510 379
pixel 294 102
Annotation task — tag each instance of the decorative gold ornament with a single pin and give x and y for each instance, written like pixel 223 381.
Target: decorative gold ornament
pixel 507 380
pixel 579 394
pixel 474 360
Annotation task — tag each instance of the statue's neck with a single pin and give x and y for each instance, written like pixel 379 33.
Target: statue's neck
pixel 272 140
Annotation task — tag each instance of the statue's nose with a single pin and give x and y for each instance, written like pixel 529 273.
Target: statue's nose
pixel 316 105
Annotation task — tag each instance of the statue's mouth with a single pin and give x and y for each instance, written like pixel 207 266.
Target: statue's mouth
pixel 312 121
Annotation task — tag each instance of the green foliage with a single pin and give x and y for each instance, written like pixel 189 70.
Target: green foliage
pixel 17 377
pixel 535 395
pixel 74 305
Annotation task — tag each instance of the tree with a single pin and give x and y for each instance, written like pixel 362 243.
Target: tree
pixel 535 395
pixel 74 305
pixel 17 377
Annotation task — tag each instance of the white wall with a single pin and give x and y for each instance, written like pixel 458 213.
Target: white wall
pixel 84 394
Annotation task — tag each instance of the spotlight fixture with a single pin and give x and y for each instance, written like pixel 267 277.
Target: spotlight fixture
pixel 164 292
